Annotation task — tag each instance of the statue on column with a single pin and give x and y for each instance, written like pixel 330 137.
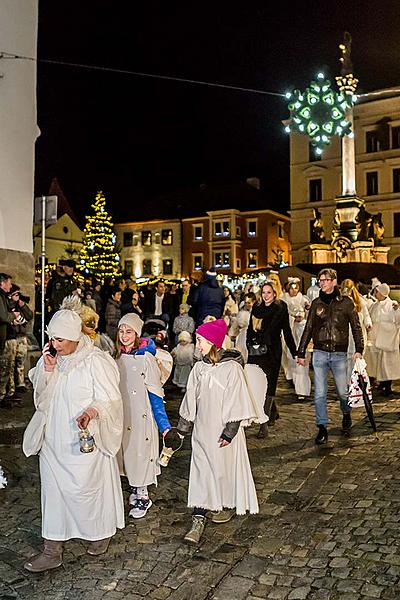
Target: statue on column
pixel 345 59
pixel 378 229
pixel 364 225
pixel 317 232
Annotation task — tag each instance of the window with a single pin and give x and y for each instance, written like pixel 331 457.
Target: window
pixel 147 266
pixel 128 238
pixel 166 237
pixel 395 137
pixel 238 231
pixel 252 259
pixel 167 266
pixel 146 238
pixel 221 228
pixel 222 259
pixel 128 268
pixel 372 183
pixel 252 228
pixel 396 224
pixel 312 155
pixel 238 264
pixel 157 237
pixel 197 262
pixel 396 180
pixel 371 141
pixel 281 231
pixel 315 190
pixel 197 232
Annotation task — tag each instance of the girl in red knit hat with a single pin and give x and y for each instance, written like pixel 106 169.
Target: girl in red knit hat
pixel 217 406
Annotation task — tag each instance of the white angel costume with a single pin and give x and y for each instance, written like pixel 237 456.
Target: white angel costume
pixel 140 374
pixel 382 354
pixel 300 374
pixel 81 493
pixel 183 359
pixel 296 304
pixel 220 477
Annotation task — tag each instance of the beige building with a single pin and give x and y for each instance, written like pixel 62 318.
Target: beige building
pixel 316 182
pixel 18 34
pixel 150 248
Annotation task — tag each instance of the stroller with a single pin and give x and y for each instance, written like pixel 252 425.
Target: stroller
pixel 156 329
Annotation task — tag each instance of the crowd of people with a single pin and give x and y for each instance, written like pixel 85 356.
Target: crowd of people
pixel 110 352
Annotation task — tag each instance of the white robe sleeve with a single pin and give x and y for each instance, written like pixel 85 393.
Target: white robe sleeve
pixel 107 427
pixel 40 380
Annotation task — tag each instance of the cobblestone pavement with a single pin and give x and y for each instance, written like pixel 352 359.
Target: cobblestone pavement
pixel 328 527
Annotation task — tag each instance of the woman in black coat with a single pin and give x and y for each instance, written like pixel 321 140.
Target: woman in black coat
pixel 268 319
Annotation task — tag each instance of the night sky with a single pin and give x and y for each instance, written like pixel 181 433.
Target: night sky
pixel 138 139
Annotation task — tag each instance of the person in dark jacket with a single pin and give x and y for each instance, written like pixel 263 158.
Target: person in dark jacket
pixel 113 313
pixel 268 319
pixel 61 285
pixel 159 304
pixel 19 303
pixel 8 318
pixel 328 326
pixel 209 298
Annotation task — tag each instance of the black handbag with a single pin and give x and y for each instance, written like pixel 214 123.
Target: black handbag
pixel 257 349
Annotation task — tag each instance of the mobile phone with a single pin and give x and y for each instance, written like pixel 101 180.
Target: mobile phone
pixel 52 350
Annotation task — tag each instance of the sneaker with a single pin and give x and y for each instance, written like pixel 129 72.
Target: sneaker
pixel 346 422
pixel 133 496
pixel 194 534
pixel 222 516
pixel 322 436
pixel 140 508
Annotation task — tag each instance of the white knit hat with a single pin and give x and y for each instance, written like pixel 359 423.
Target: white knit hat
pixel 66 323
pixel 133 321
pixel 383 289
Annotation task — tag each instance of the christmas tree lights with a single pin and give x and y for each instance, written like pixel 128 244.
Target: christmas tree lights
pixel 319 112
pixel 99 256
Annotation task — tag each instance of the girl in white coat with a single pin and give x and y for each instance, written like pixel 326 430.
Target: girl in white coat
pixel 217 405
pixel 144 412
pixel 383 355
pixel 348 288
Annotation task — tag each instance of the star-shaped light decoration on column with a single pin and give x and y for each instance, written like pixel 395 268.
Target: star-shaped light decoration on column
pixel 319 112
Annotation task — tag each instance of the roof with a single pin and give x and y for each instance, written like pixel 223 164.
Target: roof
pixel 358 272
pixel 63 206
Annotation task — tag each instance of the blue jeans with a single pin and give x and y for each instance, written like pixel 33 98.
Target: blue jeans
pixel 322 363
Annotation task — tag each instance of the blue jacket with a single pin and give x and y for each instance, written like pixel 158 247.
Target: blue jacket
pixel 209 299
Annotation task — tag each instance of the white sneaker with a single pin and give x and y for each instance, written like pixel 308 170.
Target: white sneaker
pixel 140 508
pixel 133 497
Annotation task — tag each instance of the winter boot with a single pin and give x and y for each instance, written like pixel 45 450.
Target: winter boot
pixel 50 558
pixel 98 547
pixel 194 534
pixel 271 409
pixel 262 432
pixel 346 421
pixel 322 435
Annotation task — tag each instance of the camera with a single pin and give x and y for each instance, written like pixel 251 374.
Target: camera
pixel 25 299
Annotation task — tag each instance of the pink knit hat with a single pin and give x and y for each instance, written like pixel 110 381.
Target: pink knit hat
pixel 214 332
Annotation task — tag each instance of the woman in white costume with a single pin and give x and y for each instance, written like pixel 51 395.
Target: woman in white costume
pixel 383 355
pixel 80 492
pixel 348 288
pixel 300 374
pixel 297 303
pixel 144 411
pixel 217 404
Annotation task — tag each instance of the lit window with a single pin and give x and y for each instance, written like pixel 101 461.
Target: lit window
pixel 147 266
pixel 252 259
pixel 198 232
pixel 166 237
pixel 222 259
pixel 221 229
pixel 167 266
pixel 252 228
pixel 146 238
pixel 128 238
pixel 197 262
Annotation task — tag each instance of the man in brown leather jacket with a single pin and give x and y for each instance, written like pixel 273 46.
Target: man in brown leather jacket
pixel 328 326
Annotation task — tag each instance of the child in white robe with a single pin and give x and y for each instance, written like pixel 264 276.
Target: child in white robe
pixel 217 405
pixel 144 411
pixel 183 359
pixel 300 374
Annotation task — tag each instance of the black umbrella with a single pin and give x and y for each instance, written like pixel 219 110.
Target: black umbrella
pixel 367 402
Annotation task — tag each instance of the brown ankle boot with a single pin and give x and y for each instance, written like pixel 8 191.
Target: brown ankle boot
pixel 262 432
pixel 50 558
pixel 98 547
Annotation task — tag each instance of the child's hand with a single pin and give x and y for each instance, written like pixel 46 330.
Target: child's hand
pixel 222 443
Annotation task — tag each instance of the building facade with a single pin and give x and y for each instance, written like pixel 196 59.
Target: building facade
pixel 150 248
pixel 235 241
pixel 315 181
pixel 18 32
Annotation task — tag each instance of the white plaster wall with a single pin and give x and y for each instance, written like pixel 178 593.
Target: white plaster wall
pixel 18 34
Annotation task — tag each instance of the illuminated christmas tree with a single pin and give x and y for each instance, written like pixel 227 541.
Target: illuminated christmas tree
pixel 99 256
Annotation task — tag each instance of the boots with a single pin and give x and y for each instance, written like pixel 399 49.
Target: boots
pixel 271 410
pixel 263 431
pixel 98 547
pixel 196 531
pixel 50 558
